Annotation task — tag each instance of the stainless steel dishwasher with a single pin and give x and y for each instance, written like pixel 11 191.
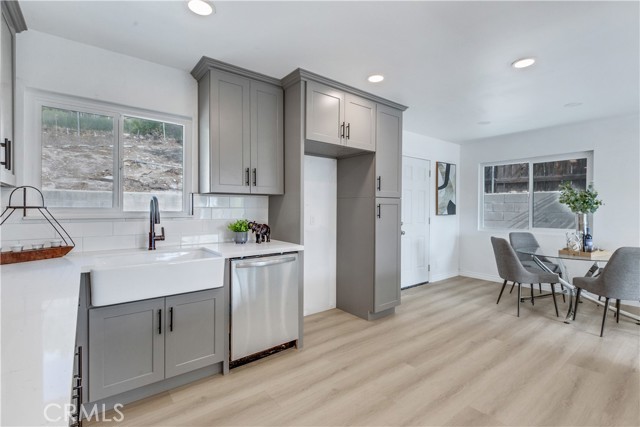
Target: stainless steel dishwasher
pixel 264 303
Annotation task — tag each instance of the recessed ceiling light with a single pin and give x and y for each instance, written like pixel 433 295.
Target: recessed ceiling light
pixel 376 78
pixel 485 122
pixel 200 7
pixel 573 104
pixel 523 63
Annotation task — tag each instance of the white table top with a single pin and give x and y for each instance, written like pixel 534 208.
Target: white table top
pixel 39 303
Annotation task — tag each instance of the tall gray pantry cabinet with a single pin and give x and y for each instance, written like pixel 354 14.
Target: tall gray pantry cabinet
pixel 364 133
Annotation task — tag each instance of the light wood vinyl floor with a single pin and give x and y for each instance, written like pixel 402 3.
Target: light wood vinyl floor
pixel 449 356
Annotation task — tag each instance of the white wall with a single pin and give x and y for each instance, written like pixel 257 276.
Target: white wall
pixel 443 248
pixel 320 225
pixel 616 146
pixel 53 64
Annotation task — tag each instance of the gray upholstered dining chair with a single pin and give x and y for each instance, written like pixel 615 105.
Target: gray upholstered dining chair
pixel 525 240
pixel 511 269
pixel 620 280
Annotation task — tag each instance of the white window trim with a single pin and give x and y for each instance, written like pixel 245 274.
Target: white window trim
pixel 35 99
pixel 531 160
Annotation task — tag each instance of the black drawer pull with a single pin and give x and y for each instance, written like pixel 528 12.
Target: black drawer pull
pixel 7 153
pixel 160 322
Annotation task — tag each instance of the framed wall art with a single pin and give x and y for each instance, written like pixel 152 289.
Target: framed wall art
pixel 445 188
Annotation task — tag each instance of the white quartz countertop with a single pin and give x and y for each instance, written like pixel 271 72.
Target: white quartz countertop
pixel 233 250
pixel 39 303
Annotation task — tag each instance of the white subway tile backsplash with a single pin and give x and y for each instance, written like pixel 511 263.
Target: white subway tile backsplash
pixel 88 229
pixel 27 231
pixel 182 226
pixel 201 239
pixel 104 243
pixel 237 202
pixel 125 228
pixel 202 213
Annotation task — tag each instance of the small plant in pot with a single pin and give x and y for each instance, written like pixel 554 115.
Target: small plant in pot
pixel 241 229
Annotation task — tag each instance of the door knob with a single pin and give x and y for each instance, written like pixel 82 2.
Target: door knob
pixel 402 232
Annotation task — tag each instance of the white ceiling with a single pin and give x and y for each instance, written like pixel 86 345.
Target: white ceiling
pixel 448 61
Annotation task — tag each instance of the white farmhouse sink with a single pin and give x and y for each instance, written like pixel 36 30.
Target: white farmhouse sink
pixel 141 275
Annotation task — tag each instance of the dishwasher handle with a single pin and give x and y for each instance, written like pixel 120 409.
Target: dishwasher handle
pixel 251 264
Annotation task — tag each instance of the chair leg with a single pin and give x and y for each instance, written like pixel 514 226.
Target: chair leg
pixel 617 311
pixel 604 316
pixel 553 295
pixel 519 296
pixel 575 309
pixel 514 283
pixel 501 290
pixel 531 294
pixel 563 298
pixel 540 287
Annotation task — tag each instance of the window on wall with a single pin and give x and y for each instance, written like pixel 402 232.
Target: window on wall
pixel 107 160
pixel 524 194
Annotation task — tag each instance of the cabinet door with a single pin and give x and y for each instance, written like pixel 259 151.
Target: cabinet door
pixel 360 116
pixel 325 114
pixel 387 247
pixel 126 347
pixel 230 133
pixel 388 152
pixel 7 175
pixel 267 143
pixel 195 331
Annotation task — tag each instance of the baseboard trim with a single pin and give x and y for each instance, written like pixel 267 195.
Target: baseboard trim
pixel 443 276
pixel 481 276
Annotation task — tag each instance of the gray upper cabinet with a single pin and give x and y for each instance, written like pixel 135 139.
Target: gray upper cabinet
pixel 339 118
pixel 126 347
pixel 360 117
pixel 325 114
pixel 7 89
pixel 229 130
pixel 387 257
pixel 241 141
pixel 194 337
pixel 388 152
pixel 267 139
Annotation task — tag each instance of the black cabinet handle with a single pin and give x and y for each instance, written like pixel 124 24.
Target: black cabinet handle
pixel 160 322
pixel 342 130
pixel 348 130
pixel 171 319
pixel 7 153
pixel 255 177
pixel 247 174
pixel 379 212
pixel 379 183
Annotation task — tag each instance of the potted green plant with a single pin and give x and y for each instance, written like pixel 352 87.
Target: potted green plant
pixel 581 203
pixel 240 228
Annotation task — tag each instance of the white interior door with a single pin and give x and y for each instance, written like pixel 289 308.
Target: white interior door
pixel 415 221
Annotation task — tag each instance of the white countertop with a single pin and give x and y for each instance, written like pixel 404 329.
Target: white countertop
pixel 233 250
pixel 39 303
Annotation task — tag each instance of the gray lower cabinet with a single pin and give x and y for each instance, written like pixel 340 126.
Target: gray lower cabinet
pixel 388 152
pixel 241 139
pixel 191 340
pixel 139 343
pixel 126 347
pixel 387 259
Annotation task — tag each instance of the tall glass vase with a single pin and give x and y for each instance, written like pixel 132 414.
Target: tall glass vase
pixel 581 228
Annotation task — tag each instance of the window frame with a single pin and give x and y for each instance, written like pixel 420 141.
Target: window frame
pixel 33 132
pixel 530 160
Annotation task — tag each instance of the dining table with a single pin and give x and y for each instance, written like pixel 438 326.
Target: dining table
pixel 592 261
